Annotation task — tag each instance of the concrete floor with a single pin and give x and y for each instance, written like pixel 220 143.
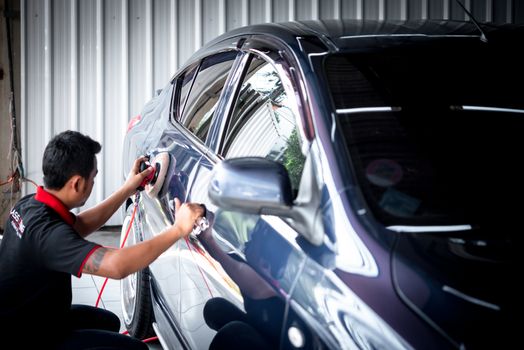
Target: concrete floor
pixel 87 288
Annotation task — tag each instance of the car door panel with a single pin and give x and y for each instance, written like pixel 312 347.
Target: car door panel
pixel 157 215
pixel 261 257
pixel 202 277
pixel 256 243
pixel 179 150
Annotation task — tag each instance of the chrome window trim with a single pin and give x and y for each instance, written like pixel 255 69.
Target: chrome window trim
pixel 368 110
pixel 488 109
pixel 410 35
pixel 443 228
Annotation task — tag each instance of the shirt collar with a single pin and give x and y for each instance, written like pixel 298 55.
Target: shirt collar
pixel 56 204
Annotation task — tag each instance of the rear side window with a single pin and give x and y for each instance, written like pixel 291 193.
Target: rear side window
pixel 199 106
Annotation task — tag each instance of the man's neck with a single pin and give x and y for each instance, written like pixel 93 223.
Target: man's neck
pixel 62 195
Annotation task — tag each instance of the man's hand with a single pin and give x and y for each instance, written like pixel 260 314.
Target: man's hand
pixel 93 218
pixel 186 215
pixel 135 177
pixel 207 235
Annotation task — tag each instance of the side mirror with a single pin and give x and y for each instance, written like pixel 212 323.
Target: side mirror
pixel 251 185
pixel 260 186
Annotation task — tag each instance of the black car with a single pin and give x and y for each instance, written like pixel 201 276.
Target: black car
pixel 363 179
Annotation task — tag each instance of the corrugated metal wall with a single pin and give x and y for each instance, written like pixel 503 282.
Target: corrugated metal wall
pixel 90 65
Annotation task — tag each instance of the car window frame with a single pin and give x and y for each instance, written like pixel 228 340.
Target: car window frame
pixel 276 55
pixel 232 126
pixel 227 102
pixel 203 61
pixel 278 64
pixel 176 113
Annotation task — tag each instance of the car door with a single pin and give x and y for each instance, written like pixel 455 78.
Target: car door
pixel 182 144
pixel 262 123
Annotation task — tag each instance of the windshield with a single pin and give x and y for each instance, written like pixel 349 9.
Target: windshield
pixel 433 132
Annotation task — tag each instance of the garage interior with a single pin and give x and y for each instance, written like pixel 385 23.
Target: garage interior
pixel 92 65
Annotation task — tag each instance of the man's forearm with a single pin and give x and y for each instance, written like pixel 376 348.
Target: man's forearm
pixel 93 218
pixel 139 256
pixel 119 263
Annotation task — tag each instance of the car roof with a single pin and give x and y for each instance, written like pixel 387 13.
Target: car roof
pixel 335 33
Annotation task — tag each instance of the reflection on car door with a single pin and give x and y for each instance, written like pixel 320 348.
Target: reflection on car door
pixel 194 105
pixel 262 123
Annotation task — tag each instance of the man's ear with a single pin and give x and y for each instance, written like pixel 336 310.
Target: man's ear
pixel 76 182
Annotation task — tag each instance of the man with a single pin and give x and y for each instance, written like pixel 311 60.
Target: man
pixel 44 245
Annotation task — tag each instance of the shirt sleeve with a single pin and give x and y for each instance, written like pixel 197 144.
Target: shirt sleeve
pixel 63 250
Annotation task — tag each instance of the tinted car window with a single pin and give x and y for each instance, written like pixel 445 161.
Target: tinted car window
pixel 441 150
pixel 263 123
pixel 202 100
pixel 184 83
pixel 454 73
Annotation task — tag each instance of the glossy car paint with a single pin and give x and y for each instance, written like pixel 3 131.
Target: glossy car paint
pixel 352 290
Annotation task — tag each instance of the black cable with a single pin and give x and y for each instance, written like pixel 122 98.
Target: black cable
pixel 7 15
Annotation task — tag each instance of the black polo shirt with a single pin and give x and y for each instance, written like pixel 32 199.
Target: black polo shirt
pixel 38 254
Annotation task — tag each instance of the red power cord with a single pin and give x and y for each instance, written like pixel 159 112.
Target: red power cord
pixel 8 181
pixel 147 340
pixel 122 245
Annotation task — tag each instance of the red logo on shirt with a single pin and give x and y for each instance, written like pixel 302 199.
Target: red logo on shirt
pixel 17 223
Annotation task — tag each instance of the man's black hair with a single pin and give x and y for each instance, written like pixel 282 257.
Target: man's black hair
pixel 68 153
